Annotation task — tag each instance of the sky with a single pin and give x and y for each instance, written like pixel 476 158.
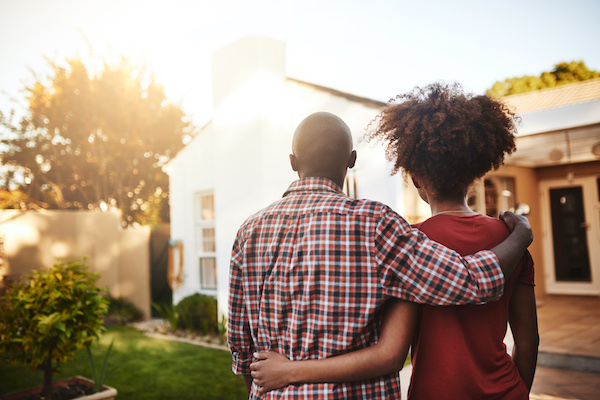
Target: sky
pixel 375 49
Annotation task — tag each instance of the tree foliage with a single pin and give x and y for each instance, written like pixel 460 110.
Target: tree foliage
pixel 46 318
pixel 562 74
pixel 93 141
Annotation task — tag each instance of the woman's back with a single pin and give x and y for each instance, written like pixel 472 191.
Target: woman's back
pixel 458 351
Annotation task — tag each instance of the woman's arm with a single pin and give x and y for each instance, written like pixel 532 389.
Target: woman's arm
pixel 273 370
pixel 523 323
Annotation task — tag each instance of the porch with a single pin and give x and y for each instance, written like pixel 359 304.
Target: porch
pixel 569 353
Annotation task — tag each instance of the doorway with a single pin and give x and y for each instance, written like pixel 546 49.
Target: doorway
pixel 570 221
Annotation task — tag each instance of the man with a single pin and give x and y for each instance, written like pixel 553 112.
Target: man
pixel 310 273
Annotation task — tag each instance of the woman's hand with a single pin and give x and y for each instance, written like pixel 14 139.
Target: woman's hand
pixel 270 371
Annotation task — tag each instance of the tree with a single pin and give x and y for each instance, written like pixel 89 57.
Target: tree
pixel 46 318
pixel 563 73
pixel 93 141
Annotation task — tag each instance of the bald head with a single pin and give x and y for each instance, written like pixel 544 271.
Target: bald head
pixel 322 147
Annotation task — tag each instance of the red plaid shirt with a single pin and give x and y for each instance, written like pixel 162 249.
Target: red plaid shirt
pixel 309 275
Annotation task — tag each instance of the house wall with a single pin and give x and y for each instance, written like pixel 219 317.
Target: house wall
pixel 35 239
pixel 243 157
pixel 527 191
pixel 191 172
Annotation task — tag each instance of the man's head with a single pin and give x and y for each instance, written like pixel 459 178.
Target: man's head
pixel 322 147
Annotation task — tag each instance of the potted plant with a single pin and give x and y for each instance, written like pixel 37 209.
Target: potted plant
pixel 51 314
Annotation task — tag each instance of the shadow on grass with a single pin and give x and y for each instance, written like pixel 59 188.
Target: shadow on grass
pixel 140 367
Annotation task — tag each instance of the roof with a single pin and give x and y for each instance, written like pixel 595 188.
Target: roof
pixel 363 100
pixel 348 96
pixel 559 125
pixel 574 93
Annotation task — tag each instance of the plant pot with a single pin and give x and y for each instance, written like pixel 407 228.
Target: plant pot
pixel 107 392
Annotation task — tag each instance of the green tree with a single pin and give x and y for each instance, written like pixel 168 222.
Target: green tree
pixel 92 141
pixel 563 73
pixel 46 318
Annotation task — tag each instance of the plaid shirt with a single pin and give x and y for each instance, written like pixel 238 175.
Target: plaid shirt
pixel 309 275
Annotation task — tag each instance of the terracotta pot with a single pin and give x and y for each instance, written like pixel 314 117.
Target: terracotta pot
pixel 107 392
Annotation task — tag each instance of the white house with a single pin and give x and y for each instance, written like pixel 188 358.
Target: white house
pixel 239 162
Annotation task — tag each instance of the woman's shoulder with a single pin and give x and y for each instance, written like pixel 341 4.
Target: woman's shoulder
pixel 465 234
pixel 453 220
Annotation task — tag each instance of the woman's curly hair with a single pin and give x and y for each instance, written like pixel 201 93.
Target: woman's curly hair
pixel 445 137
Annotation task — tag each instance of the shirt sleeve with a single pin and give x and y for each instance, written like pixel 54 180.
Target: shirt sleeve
pixel 415 268
pixel 238 328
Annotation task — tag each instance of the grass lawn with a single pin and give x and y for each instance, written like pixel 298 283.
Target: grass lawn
pixel 140 367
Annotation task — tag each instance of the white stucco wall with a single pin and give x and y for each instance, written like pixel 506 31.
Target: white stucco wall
pixel 245 162
pixel 243 157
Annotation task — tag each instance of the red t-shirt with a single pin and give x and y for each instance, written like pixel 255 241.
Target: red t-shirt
pixel 458 351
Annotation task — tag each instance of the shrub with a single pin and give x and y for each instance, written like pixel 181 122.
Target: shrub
pixel 46 318
pixel 122 311
pixel 168 312
pixel 198 312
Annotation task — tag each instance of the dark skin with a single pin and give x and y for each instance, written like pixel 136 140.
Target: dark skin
pixel 322 147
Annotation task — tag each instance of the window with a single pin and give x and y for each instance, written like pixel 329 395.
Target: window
pixel 493 195
pixel 204 215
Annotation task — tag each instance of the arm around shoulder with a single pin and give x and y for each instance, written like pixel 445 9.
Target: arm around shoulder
pixel 510 251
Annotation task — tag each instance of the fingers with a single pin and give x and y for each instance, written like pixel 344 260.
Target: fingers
pixel 260 356
pixel 501 215
pixel 256 378
pixel 261 389
pixel 259 384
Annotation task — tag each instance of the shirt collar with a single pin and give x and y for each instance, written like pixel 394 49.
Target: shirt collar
pixel 313 184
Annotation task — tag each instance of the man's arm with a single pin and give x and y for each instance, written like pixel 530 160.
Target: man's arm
pixel 239 338
pixel 273 370
pixel 413 267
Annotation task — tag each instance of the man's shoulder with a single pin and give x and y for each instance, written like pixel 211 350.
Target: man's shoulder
pixel 373 207
pixel 342 204
pixel 260 214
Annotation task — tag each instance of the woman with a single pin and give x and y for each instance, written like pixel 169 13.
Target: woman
pixel 445 140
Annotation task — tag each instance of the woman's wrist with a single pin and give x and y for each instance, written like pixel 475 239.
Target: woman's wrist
pixel 293 370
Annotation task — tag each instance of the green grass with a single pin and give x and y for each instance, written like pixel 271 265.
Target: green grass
pixel 140 367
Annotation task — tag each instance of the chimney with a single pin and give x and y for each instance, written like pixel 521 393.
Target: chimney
pixel 234 64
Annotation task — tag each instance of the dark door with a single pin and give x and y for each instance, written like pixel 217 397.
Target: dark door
pixel 569 234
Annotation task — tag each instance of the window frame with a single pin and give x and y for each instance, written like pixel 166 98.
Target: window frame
pixel 201 226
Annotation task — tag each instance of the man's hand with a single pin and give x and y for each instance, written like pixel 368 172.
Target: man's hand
pixel 511 250
pixel 269 371
pixel 514 221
